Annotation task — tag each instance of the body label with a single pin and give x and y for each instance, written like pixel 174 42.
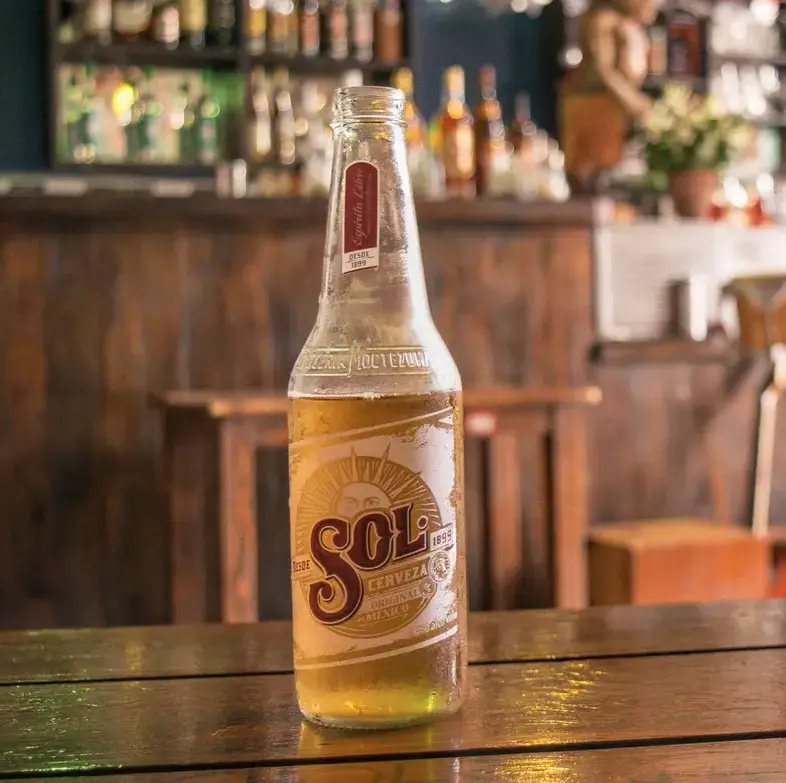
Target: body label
pixel 361 217
pixel 374 537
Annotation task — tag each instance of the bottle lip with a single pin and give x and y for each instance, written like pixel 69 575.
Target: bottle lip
pixel 368 104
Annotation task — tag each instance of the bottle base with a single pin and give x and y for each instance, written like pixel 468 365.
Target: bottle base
pixel 379 722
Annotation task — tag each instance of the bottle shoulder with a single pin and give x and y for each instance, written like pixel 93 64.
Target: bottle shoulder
pixel 339 367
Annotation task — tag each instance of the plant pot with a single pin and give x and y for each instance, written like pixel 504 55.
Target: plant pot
pixel 692 192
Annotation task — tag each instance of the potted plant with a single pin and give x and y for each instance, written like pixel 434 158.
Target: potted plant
pixel 689 138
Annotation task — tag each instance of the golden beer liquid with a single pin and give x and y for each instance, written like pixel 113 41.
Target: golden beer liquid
pixel 412 686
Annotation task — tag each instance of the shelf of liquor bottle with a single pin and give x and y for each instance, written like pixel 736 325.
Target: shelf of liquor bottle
pixel 323 65
pixel 147 54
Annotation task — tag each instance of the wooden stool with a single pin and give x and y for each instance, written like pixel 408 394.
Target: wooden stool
pixel 211 439
pixel 676 561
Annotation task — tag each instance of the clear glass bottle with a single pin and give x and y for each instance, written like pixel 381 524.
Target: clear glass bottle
pixel 376 454
pixel 207 136
pixel 259 121
pixel 283 119
pixel 131 19
pixel 97 21
pixel 255 32
pixel 193 23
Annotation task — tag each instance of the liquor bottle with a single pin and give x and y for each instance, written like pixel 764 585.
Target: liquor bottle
pixel 489 130
pixel 255 33
pixel 72 116
pixel 131 18
pixel 222 22
pixel 336 27
pixel 193 23
pixel 415 134
pixel 523 130
pixel 89 121
pixel 684 44
pixel 282 29
pixel 310 28
pixel 148 122
pixel 130 121
pixel 388 30
pixel 283 119
pixel 206 135
pixel 259 121
pixel 183 119
pixel 166 24
pixel 97 21
pixel 376 454
pixel 457 138
pixel 315 142
pixel 361 25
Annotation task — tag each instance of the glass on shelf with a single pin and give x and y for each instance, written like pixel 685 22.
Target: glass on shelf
pixel 193 23
pixel 221 22
pixel 255 33
pixel 282 27
pixel 362 29
pixel 309 22
pixel 96 21
pixel 165 26
pixel 131 19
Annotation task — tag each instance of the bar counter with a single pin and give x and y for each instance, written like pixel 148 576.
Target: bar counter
pixel 109 298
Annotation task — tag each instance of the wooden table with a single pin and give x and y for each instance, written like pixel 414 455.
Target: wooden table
pixel 691 693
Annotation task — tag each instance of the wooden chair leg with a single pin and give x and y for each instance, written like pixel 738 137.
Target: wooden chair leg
pixel 569 471
pixel 239 559
pixel 191 476
pixel 504 520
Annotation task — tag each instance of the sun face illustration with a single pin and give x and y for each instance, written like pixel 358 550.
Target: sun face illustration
pixel 350 486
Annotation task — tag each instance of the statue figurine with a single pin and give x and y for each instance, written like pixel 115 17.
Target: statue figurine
pixel 602 97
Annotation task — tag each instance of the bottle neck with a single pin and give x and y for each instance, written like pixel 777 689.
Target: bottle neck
pixel 379 280
pixel 523 113
pixel 488 85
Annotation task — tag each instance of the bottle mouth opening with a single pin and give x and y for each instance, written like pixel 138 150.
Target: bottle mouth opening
pixel 368 104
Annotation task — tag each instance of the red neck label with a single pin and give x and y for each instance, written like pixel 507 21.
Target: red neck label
pixel 361 217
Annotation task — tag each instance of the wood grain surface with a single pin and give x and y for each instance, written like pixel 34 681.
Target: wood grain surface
pixel 494 637
pixel 232 721
pixel 751 761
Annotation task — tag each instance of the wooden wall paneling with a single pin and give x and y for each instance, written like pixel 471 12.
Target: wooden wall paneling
pixel 28 536
pixel 457 308
pixel 141 350
pixel 567 255
pixel 79 296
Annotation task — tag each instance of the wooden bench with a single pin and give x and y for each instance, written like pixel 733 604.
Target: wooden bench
pixel 211 438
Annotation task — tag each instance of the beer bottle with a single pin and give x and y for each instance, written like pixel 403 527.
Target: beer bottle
pixel 376 454
pixel 457 136
pixel 489 131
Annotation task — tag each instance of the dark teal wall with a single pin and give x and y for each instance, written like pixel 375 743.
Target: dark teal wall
pixel 23 92
pixel 464 33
